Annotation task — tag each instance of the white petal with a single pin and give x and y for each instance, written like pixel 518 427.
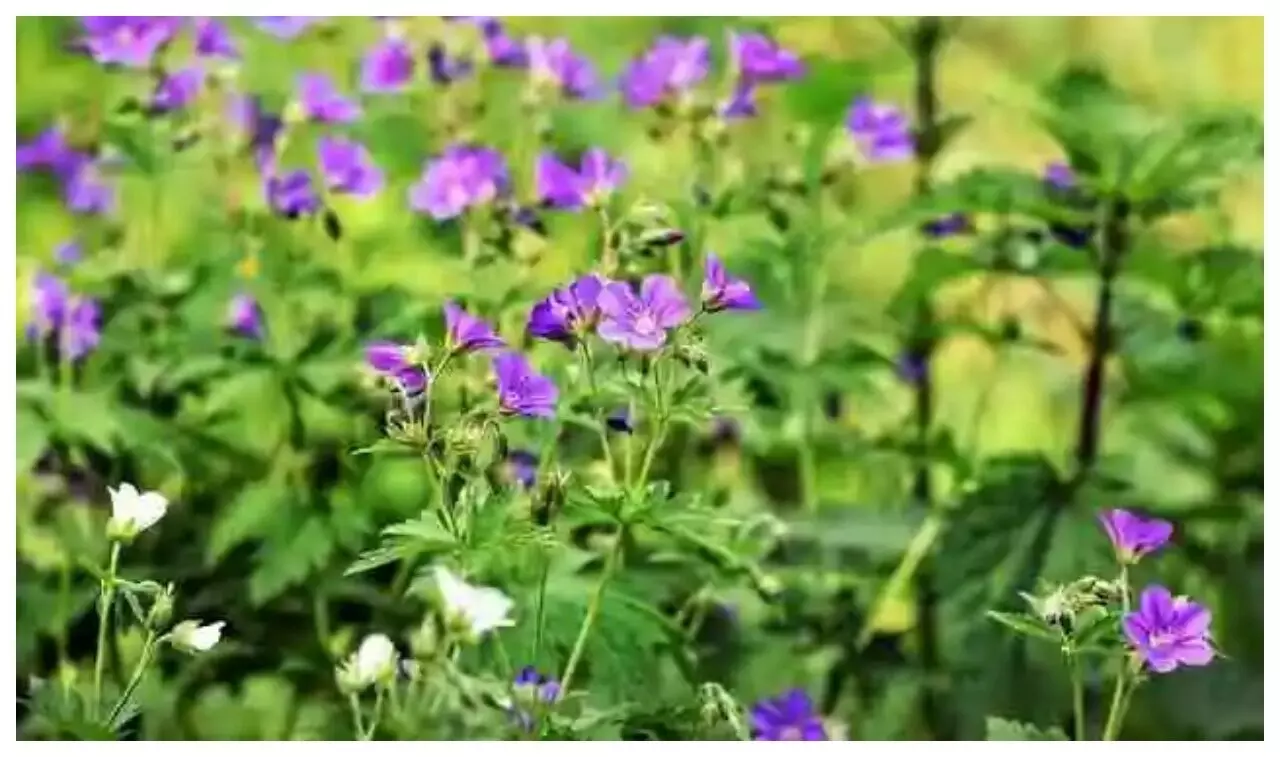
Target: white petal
pixel 374 657
pixel 122 501
pixel 205 638
pixel 150 508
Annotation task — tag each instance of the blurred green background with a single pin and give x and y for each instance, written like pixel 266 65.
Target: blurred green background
pixel 992 69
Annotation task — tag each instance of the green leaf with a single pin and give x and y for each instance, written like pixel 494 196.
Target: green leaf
pixel 999 729
pixel 289 558
pixel 252 514
pixel 1025 624
pixel 32 438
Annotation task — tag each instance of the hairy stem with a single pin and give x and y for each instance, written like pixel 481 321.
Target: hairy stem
pixel 148 647
pixel 1077 692
pixel 593 610
pixel 107 590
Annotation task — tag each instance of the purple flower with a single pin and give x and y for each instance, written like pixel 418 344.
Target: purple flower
pixel 720 291
pixel 912 366
pixel 881 131
pixel 285 27
pixel 259 126
pixel 741 104
pixel 177 90
pixel 445 68
pixel 466 333
pixel 554 62
pixel 522 468
pixel 790 717
pixel 1059 176
pixel 50 150
pixel 503 49
pixel 82 332
pixel 392 360
pixel 213 40
pixel 244 316
pixel 68 253
pixel 620 420
pixel 321 101
pixel 521 390
pixel 560 186
pixel 462 176
pixel 948 225
pixel 49 304
pixel 1134 536
pixel 291 194
pixel 130 41
pixel 565 314
pixel 1167 631
pixel 387 66
pixel 760 59
pixel 641 323
pixel 531 687
pixel 672 66
pixel 725 430
pixel 86 191
pixel 347 167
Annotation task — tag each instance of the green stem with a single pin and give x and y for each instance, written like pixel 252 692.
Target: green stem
pixel 540 612
pixel 377 715
pixel 1115 714
pixel 916 552
pixel 107 589
pixel 593 609
pixel 354 700
pixel 1077 692
pixel 148 647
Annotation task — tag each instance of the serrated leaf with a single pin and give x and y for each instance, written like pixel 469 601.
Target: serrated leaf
pixel 253 513
pixel 999 729
pixel 289 558
pixel 1026 625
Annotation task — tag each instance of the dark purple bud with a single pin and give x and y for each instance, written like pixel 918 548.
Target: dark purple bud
pixel 620 420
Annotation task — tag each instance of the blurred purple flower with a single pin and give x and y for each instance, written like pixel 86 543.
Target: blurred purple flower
pixel 462 176
pixel 244 316
pixel 503 49
pixel 392 360
pixel 560 186
pixel 322 102
pixel 260 127
pixel 86 191
pixel 387 66
pixel 467 333
pixel 68 253
pixel 130 41
pixel 82 331
pixel 567 312
pixel 620 420
pixel 532 687
pixel 881 131
pixel 720 291
pixel 348 167
pixel 725 430
pixel 759 59
pixel 1134 536
pixel 177 90
pixel 521 390
pixel 213 40
pixel 553 61
pixel 49 303
pixel 1059 176
pixel 790 717
pixel 912 367
pixel 1167 632
pixel 641 322
pixel 286 27
pixel 48 149
pixel 522 467
pixel 948 225
pixel 444 68
pixel 741 104
pixel 291 194
pixel 673 65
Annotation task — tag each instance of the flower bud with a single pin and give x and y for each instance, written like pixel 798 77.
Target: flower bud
pixel 161 609
pixel 375 662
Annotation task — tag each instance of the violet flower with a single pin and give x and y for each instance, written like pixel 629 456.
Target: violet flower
pixel 554 62
pixel 466 333
pixel 86 191
pixel 1133 536
pixel 948 225
pixel 1167 632
pixel 759 59
pixel 672 66
pixel 348 168
pixel 321 101
pixel 560 186
pixel 531 687
pixel 291 194
pixel 789 717
pixel 130 41
pixel 1059 176
pixel 881 131
pixel 244 316
pixel 741 104
pixel 392 361
pixel 620 420
pixel 49 150
pixel 260 128
pixel 82 331
pixel 69 252
pixel 565 314
pixel 503 50
pixel 640 322
pixel 720 291
pixel 444 68
pixel 387 66
pixel 50 299
pixel 286 27
pixel 213 40
pixel 522 468
pixel 177 90
pixel 912 366
pixel 461 177
pixel 521 390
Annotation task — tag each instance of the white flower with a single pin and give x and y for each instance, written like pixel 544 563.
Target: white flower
pixel 477 608
pixel 373 662
pixel 133 512
pixel 190 636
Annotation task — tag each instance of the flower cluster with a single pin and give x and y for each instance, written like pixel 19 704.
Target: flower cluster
pixel 72 321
